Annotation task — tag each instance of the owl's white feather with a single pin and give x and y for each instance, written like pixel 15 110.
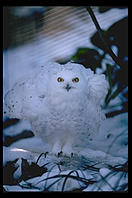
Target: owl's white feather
pixel 64 113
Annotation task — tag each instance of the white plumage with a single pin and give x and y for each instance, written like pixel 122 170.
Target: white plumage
pixel 62 103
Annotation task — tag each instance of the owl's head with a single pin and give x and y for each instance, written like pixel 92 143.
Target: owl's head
pixel 76 79
pixel 69 80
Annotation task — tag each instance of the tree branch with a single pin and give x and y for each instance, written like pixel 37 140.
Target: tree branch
pixel 108 49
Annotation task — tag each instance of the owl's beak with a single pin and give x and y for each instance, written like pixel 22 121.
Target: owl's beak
pixel 68 87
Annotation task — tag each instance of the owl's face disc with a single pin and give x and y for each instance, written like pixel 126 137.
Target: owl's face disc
pixel 68 81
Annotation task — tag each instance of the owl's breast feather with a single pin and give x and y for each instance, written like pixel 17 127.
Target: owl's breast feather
pixel 67 117
pixel 67 112
pixel 65 102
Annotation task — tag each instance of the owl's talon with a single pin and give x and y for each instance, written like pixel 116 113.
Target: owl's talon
pixel 72 154
pixel 45 154
pixel 60 154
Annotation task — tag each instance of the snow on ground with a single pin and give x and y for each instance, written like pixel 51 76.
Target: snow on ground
pixel 108 149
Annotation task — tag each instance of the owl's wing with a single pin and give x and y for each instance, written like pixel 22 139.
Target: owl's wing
pixel 26 100
pixel 13 101
pixel 97 88
pixel 27 97
pixel 18 101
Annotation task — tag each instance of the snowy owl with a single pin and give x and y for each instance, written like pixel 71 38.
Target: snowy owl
pixel 62 103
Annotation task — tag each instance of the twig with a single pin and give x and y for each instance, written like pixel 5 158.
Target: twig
pixel 108 49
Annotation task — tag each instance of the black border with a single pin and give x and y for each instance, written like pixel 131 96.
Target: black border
pixel 5 3
pixel 65 2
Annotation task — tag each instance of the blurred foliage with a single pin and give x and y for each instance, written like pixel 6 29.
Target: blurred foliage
pixel 116 35
pixel 8 122
pixel 22 29
pixel 8 140
pixel 28 171
pixel 88 57
pixel 8 171
pixel 31 170
pixel 117 75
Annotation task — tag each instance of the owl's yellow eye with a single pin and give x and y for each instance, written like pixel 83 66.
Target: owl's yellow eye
pixel 60 79
pixel 75 79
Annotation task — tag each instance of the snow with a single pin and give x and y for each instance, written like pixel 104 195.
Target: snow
pixel 17 188
pixel 98 155
pixel 114 135
pixel 10 154
pixel 55 180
